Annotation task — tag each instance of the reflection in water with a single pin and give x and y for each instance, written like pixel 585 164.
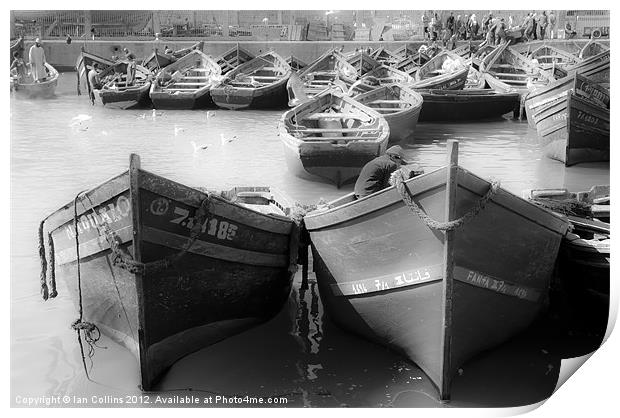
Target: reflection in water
pixel 300 354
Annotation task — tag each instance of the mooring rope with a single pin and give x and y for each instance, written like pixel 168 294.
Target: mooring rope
pixel 52 267
pixel 125 261
pixel 43 274
pixel 90 330
pixel 432 223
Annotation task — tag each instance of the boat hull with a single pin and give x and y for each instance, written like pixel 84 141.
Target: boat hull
pixel 557 91
pixel 452 81
pixel 127 99
pixel 466 105
pixel 574 130
pixel 236 273
pixel 380 270
pixel 332 163
pixel 185 101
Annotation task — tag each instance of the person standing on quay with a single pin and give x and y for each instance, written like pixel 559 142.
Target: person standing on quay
pixel 36 56
pixel 450 24
pixel 425 25
pixel 542 26
pixel 551 27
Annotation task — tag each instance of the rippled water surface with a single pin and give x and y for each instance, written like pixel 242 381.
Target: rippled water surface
pixel 300 355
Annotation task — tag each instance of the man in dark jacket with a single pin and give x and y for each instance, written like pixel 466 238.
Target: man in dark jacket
pixel 375 175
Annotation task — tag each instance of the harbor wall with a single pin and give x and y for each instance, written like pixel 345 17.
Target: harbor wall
pixel 63 56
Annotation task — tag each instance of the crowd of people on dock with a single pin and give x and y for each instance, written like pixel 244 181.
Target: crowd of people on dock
pixel 492 29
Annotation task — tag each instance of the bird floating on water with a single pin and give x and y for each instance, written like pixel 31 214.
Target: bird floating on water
pixel 210 114
pixel 178 130
pixel 199 147
pixel 155 113
pixel 226 140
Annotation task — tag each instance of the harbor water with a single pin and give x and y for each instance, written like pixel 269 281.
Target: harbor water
pixel 300 358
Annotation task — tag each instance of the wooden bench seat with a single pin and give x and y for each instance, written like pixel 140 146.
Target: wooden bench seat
pixel 317 116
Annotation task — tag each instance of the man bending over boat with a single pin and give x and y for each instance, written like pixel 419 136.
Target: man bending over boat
pixel 375 175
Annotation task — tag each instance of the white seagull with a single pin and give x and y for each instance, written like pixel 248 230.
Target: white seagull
pixel 226 140
pixel 178 130
pixel 199 147
pixel 210 114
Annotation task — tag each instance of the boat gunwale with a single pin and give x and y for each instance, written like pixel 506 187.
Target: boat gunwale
pixel 430 181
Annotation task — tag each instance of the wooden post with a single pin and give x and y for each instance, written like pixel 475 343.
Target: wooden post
pixel 446 337
pixel 134 197
pixel 155 22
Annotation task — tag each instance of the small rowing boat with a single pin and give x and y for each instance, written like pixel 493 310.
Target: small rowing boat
pixel 121 90
pixel 399 105
pixel 574 129
pixel 385 56
pixel 165 269
pixel 438 267
pixel 465 105
pixel 505 69
pixel 331 137
pixel 295 63
pixel 233 58
pixel 320 75
pixel 549 57
pixel 363 63
pixel 158 59
pixel 26 87
pixel 87 61
pixel 596 68
pixel 557 90
pixel 259 83
pixel 186 83
pixel 592 48
pixel 444 71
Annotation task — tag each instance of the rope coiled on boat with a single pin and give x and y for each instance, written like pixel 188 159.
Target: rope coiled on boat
pixel 432 223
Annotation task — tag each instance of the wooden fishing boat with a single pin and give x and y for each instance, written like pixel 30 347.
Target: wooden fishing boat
pixel 319 75
pixel 480 54
pixel 596 68
pixel 466 105
pixel 165 269
pixel 557 90
pixel 443 71
pixel 121 92
pixel 385 56
pixel 464 51
pixel 380 76
pixel 295 63
pixel 384 74
pixel 232 58
pixel 418 56
pixel 574 129
pixel 399 105
pixel 332 137
pixel 409 65
pixel 506 69
pixel 585 253
pixel 86 61
pixel 549 56
pixel 17 45
pixel 27 88
pixel 186 83
pixel 179 53
pixel 158 60
pixel 259 83
pixel 438 296
pixel 363 63
pixel 591 49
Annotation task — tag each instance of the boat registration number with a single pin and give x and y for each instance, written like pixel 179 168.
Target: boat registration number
pixel 390 281
pixel 587 118
pixel 217 228
pixel 504 287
